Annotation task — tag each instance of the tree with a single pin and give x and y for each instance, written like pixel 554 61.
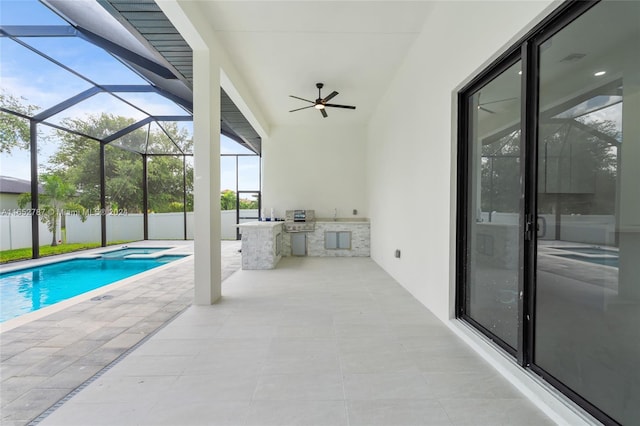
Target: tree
pixel 227 200
pixel 500 174
pixel 56 195
pixel 14 130
pixel 248 204
pixel 578 167
pixel 77 158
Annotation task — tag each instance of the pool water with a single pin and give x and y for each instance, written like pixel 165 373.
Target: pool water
pixel 589 250
pixel 598 260
pixel 30 289
pixel 595 255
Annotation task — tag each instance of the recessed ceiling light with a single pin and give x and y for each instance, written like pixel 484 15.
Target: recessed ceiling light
pixel 519 72
pixel 599 73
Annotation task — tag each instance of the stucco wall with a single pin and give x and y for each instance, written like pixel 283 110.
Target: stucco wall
pixel 320 168
pixel 411 142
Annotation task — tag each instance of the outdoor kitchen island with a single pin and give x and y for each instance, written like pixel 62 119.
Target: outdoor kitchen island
pixel 265 243
pixel 261 244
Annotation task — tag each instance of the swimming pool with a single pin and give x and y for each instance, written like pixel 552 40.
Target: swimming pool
pixel 598 260
pixel 28 290
pixel 589 250
pixel 593 254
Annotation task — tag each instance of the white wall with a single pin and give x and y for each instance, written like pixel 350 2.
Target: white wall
pixel 320 168
pixel 411 142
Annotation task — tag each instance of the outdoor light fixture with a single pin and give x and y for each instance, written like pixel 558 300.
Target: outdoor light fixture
pixel 599 73
pixel 321 103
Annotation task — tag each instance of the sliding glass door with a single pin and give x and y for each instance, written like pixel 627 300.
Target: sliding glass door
pixel 494 212
pixel 549 205
pixel 587 317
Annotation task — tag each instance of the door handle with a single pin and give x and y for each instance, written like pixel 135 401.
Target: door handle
pixel 541 226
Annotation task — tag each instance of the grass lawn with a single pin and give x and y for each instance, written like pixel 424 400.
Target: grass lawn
pixel 25 253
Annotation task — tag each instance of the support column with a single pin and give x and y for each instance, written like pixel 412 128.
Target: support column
pixel 184 195
pixel 103 196
pixel 145 198
pixel 206 150
pixel 35 227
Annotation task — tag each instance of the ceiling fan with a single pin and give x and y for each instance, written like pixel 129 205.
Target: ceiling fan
pixel 320 103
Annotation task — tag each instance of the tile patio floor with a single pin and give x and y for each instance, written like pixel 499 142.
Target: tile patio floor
pixel 317 341
pixel 42 361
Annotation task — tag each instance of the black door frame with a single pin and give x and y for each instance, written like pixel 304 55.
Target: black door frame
pixel 527 50
pixel 464 137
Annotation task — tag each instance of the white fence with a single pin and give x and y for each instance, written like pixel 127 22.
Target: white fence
pixel 15 231
pixel 228 221
pixel 588 229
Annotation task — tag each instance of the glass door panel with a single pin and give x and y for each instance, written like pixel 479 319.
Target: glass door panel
pixel 493 206
pixel 587 334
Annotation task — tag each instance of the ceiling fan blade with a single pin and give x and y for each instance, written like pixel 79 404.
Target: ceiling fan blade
pixel 486 110
pixel 331 96
pixel 324 113
pixel 340 106
pixel 302 99
pixel 310 106
pixel 499 100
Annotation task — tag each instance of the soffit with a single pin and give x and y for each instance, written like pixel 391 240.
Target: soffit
pixel 145 19
pixel 142 28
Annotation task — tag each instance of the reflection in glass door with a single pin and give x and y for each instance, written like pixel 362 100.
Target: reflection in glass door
pixel 587 327
pixel 565 299
pixel 493 217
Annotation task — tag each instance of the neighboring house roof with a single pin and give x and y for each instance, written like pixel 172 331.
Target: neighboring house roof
pixel 11 185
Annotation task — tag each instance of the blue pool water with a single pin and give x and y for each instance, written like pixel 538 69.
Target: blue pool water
pixel 589 250
pixel 595 255
pixel 30 289
pixel 598 260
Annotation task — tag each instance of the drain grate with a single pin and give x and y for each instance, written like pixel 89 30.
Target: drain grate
pixel 102 297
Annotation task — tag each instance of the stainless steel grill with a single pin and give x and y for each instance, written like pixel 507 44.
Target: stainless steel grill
pixel 300 221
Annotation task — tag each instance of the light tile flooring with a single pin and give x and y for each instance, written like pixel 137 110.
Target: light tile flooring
pixel 317 341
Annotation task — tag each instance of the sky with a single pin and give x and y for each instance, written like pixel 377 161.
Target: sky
pixel 36 81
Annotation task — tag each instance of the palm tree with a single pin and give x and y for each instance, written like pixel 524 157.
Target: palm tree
pixel 56 194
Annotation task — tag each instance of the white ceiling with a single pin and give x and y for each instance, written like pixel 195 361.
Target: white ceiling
pixel 284 48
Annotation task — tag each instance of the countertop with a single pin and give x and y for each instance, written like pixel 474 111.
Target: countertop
pixel 258 224
pixel 269 224
pixel 360 220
